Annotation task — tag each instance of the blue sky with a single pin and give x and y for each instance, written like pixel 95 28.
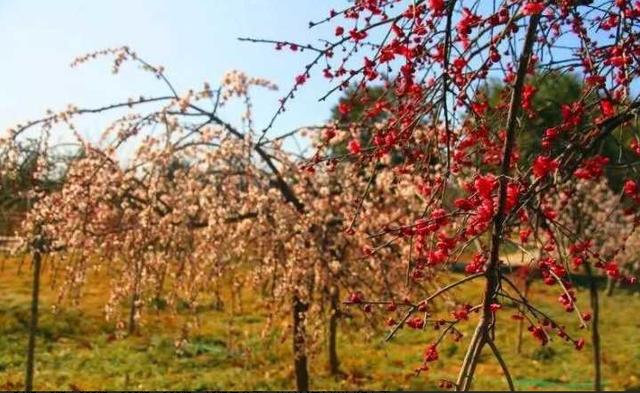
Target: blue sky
pixel 194 39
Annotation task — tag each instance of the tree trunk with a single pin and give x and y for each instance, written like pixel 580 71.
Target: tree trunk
pixel 132 313
pixel 595 334
pixel 611 285
pixel 299 345
pixel 527 284
pixel 160 288
pixel 218 303
pixel 236 296
pixel 482 332
pixel 334 364
pixel 134 308
pixel 135 297
pixel 33 325
pixel 485 328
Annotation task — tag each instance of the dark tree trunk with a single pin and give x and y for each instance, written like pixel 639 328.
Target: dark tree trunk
pixel 299 345
pixel 132 313
pixel 218 303
pixel 334 363
pixel 160 288
pixel 33 324
pixel 595 333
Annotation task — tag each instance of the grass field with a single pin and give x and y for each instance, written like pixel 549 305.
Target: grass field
pixel 76 349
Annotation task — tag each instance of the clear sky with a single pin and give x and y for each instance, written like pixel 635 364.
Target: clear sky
pixel 196 40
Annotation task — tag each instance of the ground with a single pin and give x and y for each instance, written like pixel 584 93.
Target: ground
pixel 76 349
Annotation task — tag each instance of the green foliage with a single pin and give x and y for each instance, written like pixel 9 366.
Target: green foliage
pixel 201 345
pixel 12 188
pixel 358 101
pixel 544 354
pixel 553 91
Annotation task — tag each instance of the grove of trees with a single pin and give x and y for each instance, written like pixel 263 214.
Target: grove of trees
pixel 462 129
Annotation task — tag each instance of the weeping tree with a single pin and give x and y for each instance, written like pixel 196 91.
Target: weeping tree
pixel 439 56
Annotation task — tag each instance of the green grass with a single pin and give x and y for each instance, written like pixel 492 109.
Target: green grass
pixel 76 349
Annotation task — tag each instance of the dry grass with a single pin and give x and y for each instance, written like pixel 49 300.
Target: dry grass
pixel 76 349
